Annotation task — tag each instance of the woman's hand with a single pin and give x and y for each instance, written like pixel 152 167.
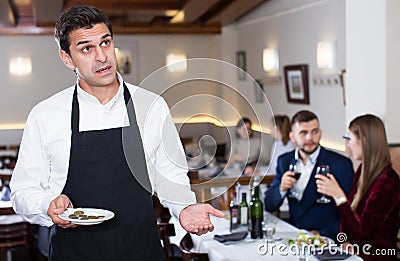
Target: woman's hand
pixel 328 185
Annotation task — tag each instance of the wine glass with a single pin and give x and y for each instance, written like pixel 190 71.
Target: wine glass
pixel 323 170
pixel 268 228
pixel 294 166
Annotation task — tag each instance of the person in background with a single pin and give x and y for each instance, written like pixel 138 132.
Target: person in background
pixel 370 214
pixel 305 212
pixel 98 144
pixel 246 148
pixel 282 142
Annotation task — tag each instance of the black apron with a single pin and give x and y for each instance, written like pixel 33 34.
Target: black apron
pixel 99 177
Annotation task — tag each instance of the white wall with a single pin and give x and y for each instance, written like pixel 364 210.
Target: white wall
pixel 295 27
pixel 373 59
pixel 392 119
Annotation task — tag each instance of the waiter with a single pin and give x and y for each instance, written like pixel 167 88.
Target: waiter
pixel 102 143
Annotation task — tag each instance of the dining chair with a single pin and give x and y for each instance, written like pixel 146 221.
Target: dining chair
pixel 162 213
pixel 166 230
pixel 186 245
pixel 16 236
pixel 4 179
pixel 8 162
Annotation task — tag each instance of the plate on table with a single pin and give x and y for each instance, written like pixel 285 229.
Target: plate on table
pixel 316 241
pixel 86 216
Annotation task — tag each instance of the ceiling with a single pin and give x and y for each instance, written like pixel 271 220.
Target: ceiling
pixel 21 17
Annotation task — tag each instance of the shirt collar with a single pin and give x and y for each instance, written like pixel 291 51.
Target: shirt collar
pixel 90 99
pixel 312 158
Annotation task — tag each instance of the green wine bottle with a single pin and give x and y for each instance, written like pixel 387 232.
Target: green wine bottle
pixel 256 214
pixel 244 211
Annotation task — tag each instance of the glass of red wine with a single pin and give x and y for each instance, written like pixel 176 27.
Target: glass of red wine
pixel 323 170
pixel 294 166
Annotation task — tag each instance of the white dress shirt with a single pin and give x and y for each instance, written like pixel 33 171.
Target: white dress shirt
pixel 41 171
pixel 305 170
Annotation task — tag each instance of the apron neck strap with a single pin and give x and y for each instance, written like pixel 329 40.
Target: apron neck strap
pixel 75 108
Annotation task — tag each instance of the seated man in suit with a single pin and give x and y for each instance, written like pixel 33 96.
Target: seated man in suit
pixel 305 211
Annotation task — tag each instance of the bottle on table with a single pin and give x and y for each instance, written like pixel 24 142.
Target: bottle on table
pixel 234 212
pixel 244 211
pixel 256 214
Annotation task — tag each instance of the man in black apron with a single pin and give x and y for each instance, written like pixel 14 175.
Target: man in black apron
pixel 99 175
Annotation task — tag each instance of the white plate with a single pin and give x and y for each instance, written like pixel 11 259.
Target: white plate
pixel 326 239
pixel 89 212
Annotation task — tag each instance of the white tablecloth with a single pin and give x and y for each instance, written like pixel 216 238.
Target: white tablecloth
pixel 8 219
pixel 247 249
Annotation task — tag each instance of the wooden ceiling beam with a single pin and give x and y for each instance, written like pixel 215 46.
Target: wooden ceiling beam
pixel 129 4
pixel 235 10
pixel 27 30
pixel 23 12
pixel 7 17
pixel 46 12
pixel 194 9
pixel 214 28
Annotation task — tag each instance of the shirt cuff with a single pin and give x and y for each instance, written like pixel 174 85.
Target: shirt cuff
pixel 46 203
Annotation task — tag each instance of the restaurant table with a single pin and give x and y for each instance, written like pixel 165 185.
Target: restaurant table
pixel 248 249
pixel 204 182
pixel 7 214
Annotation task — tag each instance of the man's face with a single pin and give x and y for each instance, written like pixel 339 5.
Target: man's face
pixel 306 136
pixel 92 56
pixel 245 131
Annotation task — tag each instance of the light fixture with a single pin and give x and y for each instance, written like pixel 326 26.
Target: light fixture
pixel 20 66
pixel 176 62
pixel 270 60
pixel 326 54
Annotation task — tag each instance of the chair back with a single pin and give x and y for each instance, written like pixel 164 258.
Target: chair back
pixel 14 236
pixel 7 162
pixel 186 245
pixel 166 230
pixel 4 179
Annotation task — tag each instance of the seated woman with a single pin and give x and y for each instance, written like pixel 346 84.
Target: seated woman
pixel 246 147
pixel 370 214
pixel 282 142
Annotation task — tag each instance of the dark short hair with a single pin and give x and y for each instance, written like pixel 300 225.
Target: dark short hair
pixel 78 17
pixel 243 121
pixel 303 116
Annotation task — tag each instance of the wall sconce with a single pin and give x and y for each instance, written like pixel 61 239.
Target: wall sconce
pixel 176 62
pixel 326 54
pixel 270 60
pixel 20 66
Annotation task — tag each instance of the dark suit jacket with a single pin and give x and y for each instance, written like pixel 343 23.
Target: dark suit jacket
pixel 308 214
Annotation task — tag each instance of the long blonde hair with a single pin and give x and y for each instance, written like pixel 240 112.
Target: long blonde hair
pixel 370 130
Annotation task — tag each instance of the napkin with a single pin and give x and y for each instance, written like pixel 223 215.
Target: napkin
pixel 237 236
